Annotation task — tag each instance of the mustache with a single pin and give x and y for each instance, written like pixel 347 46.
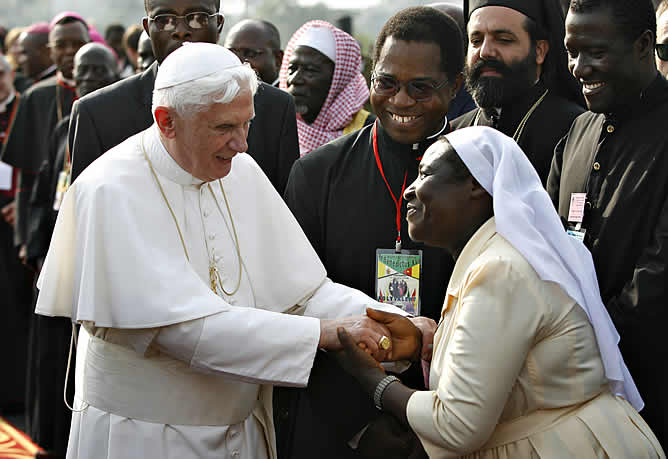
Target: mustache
pixel 476 69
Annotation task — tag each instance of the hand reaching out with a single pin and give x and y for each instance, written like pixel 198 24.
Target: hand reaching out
pixel 406 336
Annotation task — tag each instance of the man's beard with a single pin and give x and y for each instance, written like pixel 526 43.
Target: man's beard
pixel 515 81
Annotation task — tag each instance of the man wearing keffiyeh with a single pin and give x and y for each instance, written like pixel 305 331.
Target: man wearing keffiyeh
pixel 322 70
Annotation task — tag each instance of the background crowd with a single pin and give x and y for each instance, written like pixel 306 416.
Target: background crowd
pixel 579 86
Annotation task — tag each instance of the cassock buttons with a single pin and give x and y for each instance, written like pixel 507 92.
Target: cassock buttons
pixel 205 213
pixel 597 166
pixel 212 237
pixel 610 129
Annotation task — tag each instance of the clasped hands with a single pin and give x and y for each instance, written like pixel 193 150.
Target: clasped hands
pixel 411 338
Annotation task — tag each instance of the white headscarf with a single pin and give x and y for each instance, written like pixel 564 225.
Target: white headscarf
pixel 526 218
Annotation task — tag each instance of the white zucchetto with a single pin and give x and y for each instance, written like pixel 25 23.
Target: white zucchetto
pixel 192 61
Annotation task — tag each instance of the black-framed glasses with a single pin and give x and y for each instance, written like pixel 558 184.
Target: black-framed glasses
pixel 418 90
pixel 194 21
pixel 662 51
pixel 248 53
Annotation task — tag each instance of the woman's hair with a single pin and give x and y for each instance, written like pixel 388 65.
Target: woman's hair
pixel 195 96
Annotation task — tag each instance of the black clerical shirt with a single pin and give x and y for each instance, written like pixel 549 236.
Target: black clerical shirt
pixel 548 123
pixel 621 161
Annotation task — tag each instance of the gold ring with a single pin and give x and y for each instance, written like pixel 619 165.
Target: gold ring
pixel 384 342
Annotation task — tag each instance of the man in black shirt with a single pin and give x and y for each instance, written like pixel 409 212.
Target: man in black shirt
pixel 609 181
pixel 348 197
pixel 516 72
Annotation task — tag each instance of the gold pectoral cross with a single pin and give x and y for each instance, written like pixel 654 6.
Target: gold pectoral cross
pixel 213 277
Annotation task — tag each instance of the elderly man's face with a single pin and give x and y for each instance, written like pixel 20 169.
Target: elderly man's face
pixel 64 42
pixel 309 77
pixel 602 59
pixel 501 62
pixel 165 41
pixel 662 38
pixel 405 119
pixel 94 68
pixel 207 142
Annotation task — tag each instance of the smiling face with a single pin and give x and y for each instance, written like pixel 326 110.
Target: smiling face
pixel 205 143
pixel 603 60
pixel 439 200
pixel 405 119
pixel 64 42
pixel 164 42
pixel 309 77
pixel 501 62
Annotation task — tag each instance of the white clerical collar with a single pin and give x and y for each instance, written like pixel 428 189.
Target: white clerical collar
pixel 163 162
pixel 7 101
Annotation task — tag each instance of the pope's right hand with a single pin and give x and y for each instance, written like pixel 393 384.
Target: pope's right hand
pixel 365 331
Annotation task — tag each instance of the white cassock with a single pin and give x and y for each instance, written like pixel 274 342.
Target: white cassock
pixel 165 367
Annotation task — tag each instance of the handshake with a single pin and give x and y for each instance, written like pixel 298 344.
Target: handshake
pixel 385 336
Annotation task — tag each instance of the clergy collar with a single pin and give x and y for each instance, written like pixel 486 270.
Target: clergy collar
pixel 656 93
pixel 162 161
pixel 7 101
pixel 68 83
pixel 413 150
pixel 46 72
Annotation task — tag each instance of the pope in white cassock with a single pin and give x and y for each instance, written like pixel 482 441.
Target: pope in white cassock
pixel 177 257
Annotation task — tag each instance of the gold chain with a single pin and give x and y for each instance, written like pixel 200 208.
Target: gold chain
pixel 520 127
pixel 213 271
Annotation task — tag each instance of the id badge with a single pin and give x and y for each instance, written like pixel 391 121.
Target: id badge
pixel 61 189
pixel 398 278
pixel 577 207
pixel 578 234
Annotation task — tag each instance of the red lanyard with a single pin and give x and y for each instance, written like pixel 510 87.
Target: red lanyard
pixel 397 202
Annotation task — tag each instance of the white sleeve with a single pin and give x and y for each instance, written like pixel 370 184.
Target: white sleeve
pixel 331 300
pixel 252 345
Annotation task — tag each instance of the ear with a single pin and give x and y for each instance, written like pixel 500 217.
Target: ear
pixel 459 81
pixel 221 23
pixel 542 48
pixel 278 55
pixel 477 191
pixel 144 23
pixel 644 45
pixel 164 118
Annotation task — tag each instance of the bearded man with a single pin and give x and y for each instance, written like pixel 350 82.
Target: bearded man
pixel 516 72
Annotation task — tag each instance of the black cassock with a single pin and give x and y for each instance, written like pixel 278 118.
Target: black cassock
pixel 549 122
pixel 15 292
pixel 30 139
pixel 28 143
pixel 341 201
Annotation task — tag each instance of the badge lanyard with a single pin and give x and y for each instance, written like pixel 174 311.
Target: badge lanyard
pixel 397 202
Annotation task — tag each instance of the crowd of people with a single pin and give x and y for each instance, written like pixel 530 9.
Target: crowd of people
pixel 195 235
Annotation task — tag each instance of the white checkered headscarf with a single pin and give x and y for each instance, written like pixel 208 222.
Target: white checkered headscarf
pixel 347 93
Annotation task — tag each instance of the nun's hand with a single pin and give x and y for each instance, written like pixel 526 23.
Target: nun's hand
pixel 356 361
pixel 406 336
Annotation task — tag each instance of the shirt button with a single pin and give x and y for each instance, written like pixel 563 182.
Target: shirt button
pixel 235 453
pixel 212 237
pixel 205 213
pixel 610 129
pixel 597 166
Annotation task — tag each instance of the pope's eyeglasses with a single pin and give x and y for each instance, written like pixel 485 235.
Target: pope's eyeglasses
pixel 194 21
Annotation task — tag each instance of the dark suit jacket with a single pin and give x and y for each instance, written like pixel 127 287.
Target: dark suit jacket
pixel 103 119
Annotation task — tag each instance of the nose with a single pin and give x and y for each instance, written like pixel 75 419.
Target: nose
pixel 409 194
pixel 579 66
pixel 488 49
pixel 295 78
pixel 402 98
pixel 239 142
pixel 182 31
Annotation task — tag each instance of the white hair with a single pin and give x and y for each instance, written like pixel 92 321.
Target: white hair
pixel 195 96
